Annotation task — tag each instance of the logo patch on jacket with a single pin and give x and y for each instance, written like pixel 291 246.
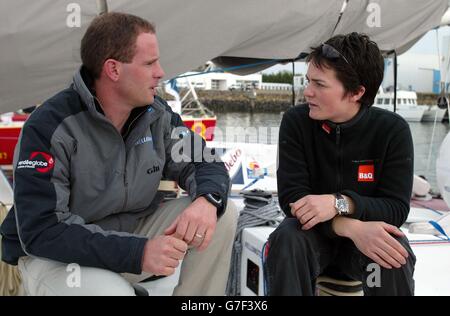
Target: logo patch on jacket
pixel 326 128
pixel 153 169
pixel 366 173
pixel 42 162
pixel 143 140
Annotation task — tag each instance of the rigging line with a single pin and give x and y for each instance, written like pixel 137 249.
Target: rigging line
pixel 220 70
pixel 435 117
pixel 344 6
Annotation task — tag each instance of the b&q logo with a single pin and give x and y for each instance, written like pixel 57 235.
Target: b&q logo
pixel 366 173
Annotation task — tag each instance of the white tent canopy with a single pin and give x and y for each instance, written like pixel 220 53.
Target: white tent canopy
pixel 39 52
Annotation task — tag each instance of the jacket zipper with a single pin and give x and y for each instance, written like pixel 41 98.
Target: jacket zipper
pixel 125 180
pixel 338 144
pixel 131 124
pixel 125 183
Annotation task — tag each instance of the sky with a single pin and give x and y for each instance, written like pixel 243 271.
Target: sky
pixel 426 45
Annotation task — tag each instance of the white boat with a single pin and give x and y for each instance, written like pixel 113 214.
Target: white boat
pixel 433 113
pixel 406 104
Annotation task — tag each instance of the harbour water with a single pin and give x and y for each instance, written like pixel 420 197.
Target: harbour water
pixel 421 133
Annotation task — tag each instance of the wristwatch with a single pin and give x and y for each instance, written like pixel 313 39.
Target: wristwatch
pixel 214 199
pixel 341 205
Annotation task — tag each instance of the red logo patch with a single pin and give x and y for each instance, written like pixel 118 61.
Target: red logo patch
pixel 40 161
pixel 366 173
pixel 47 157
pixel 326 128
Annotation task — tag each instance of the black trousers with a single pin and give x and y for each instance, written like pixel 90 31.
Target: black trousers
pixel 297 257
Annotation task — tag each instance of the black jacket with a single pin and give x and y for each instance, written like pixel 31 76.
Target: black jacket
pixel 369 158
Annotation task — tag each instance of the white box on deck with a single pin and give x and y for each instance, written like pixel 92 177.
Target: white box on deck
pixel 252 277
pixel 431 275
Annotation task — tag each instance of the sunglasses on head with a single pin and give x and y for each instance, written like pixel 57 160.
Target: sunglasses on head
pixel 330 52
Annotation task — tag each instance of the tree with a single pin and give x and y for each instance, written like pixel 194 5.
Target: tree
pixel 279 77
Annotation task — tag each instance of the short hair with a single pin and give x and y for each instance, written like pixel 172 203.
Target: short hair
pixel 111 35
pixel 361 64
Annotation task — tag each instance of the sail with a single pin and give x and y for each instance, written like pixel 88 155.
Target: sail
pixel 39 40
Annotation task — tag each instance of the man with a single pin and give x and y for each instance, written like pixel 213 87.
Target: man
pixel 344 179
pixel 86 174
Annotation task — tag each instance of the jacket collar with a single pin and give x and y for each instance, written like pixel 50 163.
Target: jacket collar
pixel 83 83
pixel 328 126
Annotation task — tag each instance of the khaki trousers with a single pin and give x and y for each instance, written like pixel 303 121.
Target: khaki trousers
pixel 202 273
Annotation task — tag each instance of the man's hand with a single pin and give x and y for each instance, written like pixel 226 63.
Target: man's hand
pixel 196 225
pixel 313 209
pixel 163 254
pixel 374 240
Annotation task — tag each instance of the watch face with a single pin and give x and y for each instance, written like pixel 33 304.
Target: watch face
pixel 341 205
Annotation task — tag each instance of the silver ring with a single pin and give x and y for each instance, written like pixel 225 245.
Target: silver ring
pixel 198 236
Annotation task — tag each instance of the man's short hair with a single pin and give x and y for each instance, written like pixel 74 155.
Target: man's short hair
pixel 356 60
pixel 111 35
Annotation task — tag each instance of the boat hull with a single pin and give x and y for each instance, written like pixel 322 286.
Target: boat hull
pixel 409 113
pixel 434 113
pixel 203 126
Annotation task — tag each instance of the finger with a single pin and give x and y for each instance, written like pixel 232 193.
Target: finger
pixel 393 242
pixel 295 206
pixel 387 258
pixel 398 247
pixel 379 261
pixel 208 237
pixel 179 245
pixel 393 253
pixel 172 228
pixel 182 227
pixel 393 230
pixel 303 210
pixel 199 237
pixel 305 217
pixel 189 237
pixel 311 223
pixel 167 271
pixel 196 241
pixel 299 203
pixel 176 254
pixel 172 263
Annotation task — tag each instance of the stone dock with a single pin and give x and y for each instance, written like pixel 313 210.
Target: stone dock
pixel 265 101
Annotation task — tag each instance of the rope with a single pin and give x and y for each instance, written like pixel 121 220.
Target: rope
pixel 442 92
pixel 258 211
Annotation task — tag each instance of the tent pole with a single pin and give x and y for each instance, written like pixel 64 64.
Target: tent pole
pixel 102 6
pixel 395 81
pixel 293 89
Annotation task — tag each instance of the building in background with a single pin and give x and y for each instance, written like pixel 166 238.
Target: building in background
pixel 220 81
pixel 415 72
